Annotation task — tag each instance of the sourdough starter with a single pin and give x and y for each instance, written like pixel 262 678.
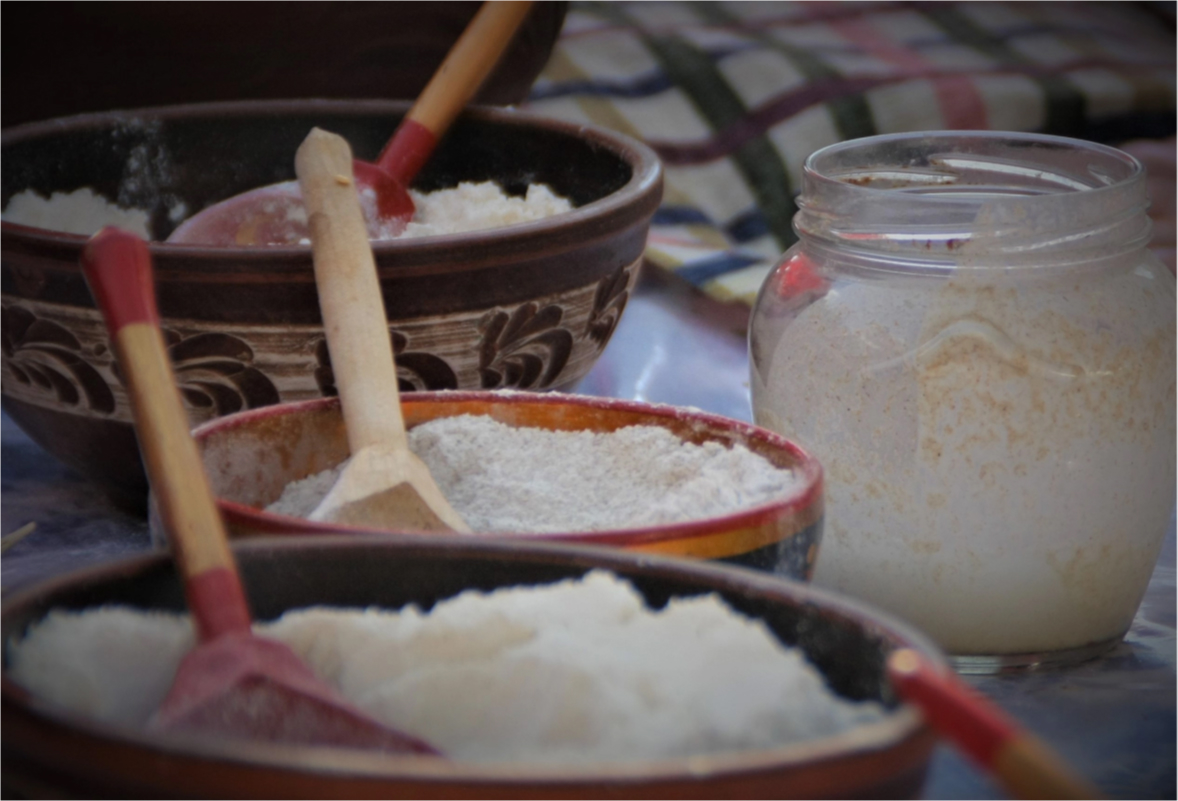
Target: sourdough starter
pixel 982 442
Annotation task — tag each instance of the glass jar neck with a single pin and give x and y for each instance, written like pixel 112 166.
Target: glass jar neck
pixel 951 199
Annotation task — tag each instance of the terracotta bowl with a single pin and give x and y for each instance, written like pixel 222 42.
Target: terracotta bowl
pixel 251 456
pixel 50 753
pixel 528 307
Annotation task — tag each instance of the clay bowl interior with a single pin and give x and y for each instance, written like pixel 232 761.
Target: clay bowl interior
pixel 251 456
pixel 47 751
pixel 530 306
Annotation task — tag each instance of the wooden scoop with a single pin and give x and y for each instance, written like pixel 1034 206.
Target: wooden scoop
pixel 233 683
pixel 384 485
pixel 1022 763
pixel 273 215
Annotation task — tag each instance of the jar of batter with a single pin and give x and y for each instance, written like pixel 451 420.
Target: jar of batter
pixel 974 340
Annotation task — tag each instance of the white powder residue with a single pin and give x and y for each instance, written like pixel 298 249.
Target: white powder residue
pixel 574 672
pixel 79 212
pixel 505 479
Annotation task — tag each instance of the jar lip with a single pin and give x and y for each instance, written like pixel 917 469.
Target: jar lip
pixel 942 163
pixel 950 196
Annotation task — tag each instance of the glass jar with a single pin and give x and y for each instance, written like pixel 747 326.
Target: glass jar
pixel 974 340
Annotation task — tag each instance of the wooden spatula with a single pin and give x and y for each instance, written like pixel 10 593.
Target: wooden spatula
pixel 233 683
pixel 384 485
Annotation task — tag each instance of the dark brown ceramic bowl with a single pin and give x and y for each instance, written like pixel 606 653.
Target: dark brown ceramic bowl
pixel 251 456
pixel 105 55
pixel 529 306
pixel 50 753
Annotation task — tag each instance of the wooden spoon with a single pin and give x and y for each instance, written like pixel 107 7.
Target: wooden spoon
pixel 1021 762
pixel 233 683
pixel 273 215
pixel 384 485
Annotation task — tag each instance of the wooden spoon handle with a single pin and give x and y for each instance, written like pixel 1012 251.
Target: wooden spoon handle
pixel 117 265
pixel 455 82
pixel 349 294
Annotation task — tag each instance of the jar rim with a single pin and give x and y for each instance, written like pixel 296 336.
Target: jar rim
pixel 981 196
pixel 949 172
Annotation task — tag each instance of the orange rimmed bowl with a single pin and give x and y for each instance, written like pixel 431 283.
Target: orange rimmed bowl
pixel 251 456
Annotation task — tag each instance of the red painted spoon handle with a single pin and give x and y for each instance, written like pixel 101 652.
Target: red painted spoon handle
pixel 117 265
pixel 1025 765
pixel 455 82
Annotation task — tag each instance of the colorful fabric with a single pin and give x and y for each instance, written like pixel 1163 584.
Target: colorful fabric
pixel 734 96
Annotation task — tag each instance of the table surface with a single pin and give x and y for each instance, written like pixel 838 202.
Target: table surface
pixel 1113 718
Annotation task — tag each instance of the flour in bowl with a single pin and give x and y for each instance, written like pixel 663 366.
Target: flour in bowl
pixel 466 207
pixel 579 671
pixel 79 212
pixel 478 206
pixel 504 479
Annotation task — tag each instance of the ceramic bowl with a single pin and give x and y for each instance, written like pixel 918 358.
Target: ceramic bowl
pixel 251 456
pixel 529 306
pixel 50 753
pixel 159 54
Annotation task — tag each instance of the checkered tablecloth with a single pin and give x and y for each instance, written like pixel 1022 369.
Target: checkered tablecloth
pixel 734 96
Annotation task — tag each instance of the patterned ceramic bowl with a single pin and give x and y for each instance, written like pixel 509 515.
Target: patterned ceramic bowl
pixel 251 456
pixel 530 306
pixel 49 752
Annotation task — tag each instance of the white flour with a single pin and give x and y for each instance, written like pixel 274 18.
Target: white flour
pixel 579 671
pixel 474 207
pixel 466 207
pixel 532 480
pixel 79 212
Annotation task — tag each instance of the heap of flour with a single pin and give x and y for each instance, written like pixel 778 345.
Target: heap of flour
pixel 575 672
pixel 466 207
pixel 504 479
pixel 478 206
pixel 79 212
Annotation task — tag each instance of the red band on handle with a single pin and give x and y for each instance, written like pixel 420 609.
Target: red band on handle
pixel 117 265
pixel 218 603
pixel 406 153
pixel 952 707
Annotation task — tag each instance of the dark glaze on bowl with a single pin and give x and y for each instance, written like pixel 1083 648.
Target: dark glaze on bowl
pixel 251 456
pixel 527 307
pixel 155 54
pixel 48 752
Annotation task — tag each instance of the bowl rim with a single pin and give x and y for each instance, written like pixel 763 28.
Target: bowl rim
pixel 902 724
pixel 807 495
pixel 642 192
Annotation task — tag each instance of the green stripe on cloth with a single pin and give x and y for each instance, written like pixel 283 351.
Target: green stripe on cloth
pixel 851 115
pixel 1064 104
pixel 697 77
